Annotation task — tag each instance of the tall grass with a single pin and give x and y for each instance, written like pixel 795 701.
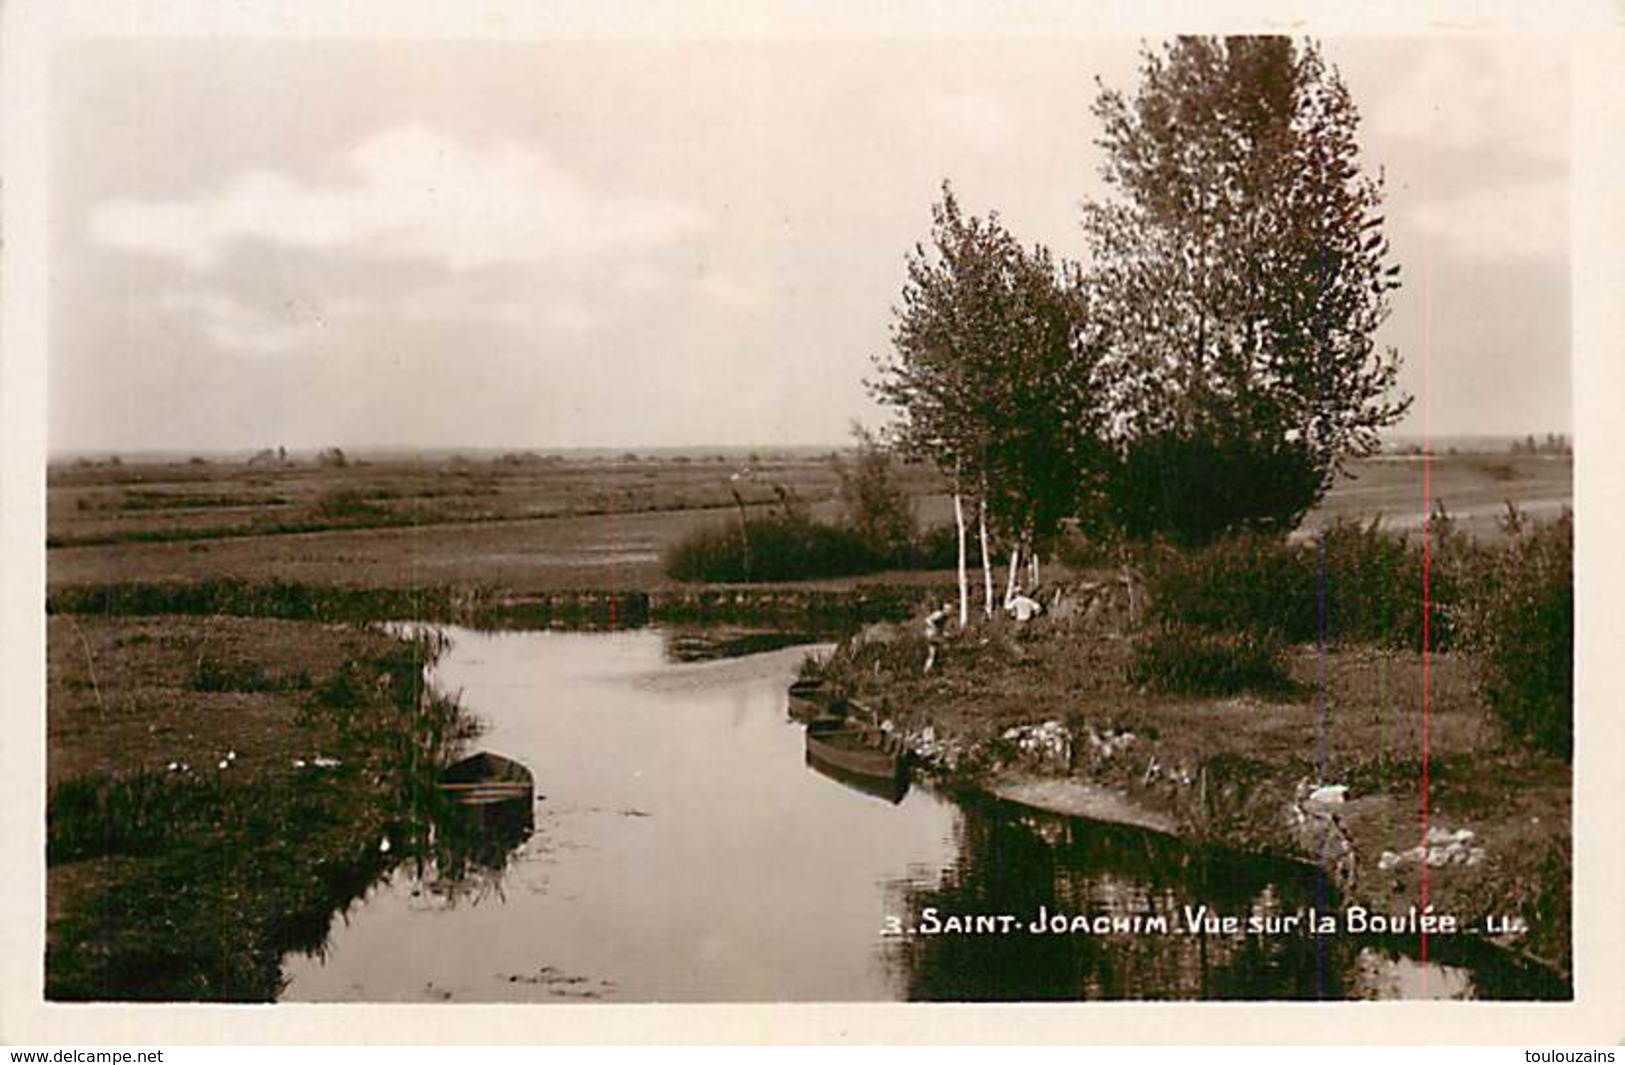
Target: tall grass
pixel 1519 620
pixel 1510 603
pixel 794 547
pixel 136 815
pixel 253 598
pixel 220 874
pixel 779 548
pixel 1188 661
pixel 1353 583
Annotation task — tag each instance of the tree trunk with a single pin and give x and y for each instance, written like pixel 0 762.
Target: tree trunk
pixel 1015 563
pixel 987 565
pixel 964 577
pixel 1032 566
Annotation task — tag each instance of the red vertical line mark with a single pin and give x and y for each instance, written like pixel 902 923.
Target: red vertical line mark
pixel 1427 565
pixel 1323 447
pixel 612 613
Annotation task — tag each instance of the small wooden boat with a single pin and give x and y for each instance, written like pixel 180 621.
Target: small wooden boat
pixel 814 698
pixel 858 749
pixel 489 810
pixel 889 789
pixel 485 779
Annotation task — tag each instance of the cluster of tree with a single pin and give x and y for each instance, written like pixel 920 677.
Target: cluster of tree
pixel 269 457
pixel 1212 367
pixel 1554 444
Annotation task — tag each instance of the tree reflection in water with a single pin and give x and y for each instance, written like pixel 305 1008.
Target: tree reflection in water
pixel 469 848
pixel 1014 860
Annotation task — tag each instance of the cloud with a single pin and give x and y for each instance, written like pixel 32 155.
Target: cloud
pixel 1518 220
pixel 464 302
pixel 233 325
pixel 260 329
pixel 411 192
pixel 1482 96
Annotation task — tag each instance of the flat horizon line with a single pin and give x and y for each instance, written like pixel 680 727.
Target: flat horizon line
pixel 450 451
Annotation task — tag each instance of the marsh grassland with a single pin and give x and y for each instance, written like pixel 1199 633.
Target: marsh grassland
pixel 213 632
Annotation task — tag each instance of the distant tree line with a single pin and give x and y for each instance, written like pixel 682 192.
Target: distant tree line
pixel 1552 444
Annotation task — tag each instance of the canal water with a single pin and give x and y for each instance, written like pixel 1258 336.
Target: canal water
pixel 683 850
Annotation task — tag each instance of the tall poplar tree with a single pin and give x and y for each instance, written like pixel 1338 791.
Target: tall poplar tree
pixel 1242 266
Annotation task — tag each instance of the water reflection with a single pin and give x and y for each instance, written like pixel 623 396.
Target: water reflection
pixel 1016 861
pixel 890 789
pixel 486 815
pixel 1023 862
pixel 708 643
pixel 685 851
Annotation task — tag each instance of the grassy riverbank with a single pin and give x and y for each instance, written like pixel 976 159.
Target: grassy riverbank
pixel 1052 713
pixel 216 788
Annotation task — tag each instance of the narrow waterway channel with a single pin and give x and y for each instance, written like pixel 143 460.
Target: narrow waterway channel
pixel 684 851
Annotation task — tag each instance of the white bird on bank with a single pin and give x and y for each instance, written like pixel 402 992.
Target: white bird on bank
pixel 1329 793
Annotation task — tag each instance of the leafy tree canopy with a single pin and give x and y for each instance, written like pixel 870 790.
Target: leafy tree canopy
pixel 1243 270
pixel 991 372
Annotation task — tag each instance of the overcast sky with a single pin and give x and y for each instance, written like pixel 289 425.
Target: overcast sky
pixel 638 244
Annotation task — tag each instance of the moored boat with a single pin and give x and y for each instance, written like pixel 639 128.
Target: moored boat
pixel 890 789
pixel 857 749
pixel 487 778
pixel 811 699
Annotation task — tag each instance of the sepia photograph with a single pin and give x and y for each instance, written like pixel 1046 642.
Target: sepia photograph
pixel 809 518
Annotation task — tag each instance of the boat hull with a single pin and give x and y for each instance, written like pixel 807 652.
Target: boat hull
pixel 862 752
pixel 812 699
pixel 889 789
pixel 487 779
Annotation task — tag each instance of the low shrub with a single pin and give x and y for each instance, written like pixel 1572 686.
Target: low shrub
pixel 343 690
pixel 213 675
pixel 938 548
pixel 1511 604
pixel 779 548
pixel 1352 583
pixel 1519 620
pixel 350 505
pixel 877 509
pixel 794 547
pixel 1183 660
pixel 1373 587
pixel 1245 583
pixel 1092 549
